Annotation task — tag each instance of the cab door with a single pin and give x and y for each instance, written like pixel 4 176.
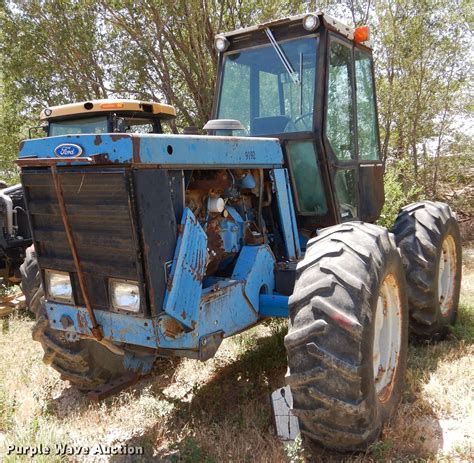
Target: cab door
pixel 351 132
pixel 371 192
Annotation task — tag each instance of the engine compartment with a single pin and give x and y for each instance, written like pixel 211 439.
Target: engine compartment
pixel 229 205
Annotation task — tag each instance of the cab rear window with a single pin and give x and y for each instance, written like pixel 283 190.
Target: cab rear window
pixel 78 126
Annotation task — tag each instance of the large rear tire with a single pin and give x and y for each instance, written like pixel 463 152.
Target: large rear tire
pixel 347 338
pixel 85 363
pixel 429 240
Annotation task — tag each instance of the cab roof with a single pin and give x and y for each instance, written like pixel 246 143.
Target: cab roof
pixel 329 21
pixel 160 110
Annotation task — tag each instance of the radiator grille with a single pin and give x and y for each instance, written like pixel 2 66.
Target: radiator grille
pixel 100 210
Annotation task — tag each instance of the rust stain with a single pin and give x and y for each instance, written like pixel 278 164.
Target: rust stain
pixel 251 234
pixel 82 322
pixel 118 136
pixel 171 327
pixel 215 247
pixel 183 315
pixel 212 180
pixel 216 294
pixel 97 140
pixel 66 321
pixel 136 150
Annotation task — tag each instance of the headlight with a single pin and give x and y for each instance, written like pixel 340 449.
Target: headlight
pixel 310 22
pixel 125 295
pixel 58 286
pixel 221 43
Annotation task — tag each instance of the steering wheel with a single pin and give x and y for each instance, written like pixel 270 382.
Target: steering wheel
pixel 292 126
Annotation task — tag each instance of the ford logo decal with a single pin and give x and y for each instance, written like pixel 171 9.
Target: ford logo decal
pixel 68 150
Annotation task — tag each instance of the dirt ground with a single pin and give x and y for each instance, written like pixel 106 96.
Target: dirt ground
pixel 219 411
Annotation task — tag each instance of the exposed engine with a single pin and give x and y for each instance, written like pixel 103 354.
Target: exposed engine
pixel 228 204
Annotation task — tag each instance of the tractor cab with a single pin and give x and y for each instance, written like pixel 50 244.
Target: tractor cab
pixel 106 116
pixel 308 80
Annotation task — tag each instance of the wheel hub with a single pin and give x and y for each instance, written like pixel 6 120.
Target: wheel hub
pixel 387 337
pixel 446 275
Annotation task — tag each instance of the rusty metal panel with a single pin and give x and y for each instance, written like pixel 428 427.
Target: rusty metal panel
pixel 154 194
pixel 371 191
pixel 98 204
pixel 113 387
pixel 223 309
pixel 161 150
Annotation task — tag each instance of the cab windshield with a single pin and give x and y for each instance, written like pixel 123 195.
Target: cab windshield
pixel 78 126
pixel 258 91
pixel 103 124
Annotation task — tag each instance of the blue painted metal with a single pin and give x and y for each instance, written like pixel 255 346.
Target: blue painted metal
pixel 116 326
pixel 255 266
pixel 303 242
pixel 294 223
pixel 224 306
pixel 273 305
pixel 167 151
pixel 140 364
pixel 228 306
pixel 287 213
pixel 234 214
pixel 248 182
pixel 232 235
pixel 184 287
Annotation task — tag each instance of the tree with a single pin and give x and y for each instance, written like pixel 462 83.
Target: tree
pixel 421 50
pixel 165 48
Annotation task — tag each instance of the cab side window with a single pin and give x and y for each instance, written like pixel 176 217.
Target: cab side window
pixel 339 123
pixel 310 196
pixel 367 135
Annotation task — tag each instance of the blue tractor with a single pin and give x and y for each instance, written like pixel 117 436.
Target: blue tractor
pixel 150 245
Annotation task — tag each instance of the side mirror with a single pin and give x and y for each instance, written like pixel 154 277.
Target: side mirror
pixel 119 125
pixel 44 128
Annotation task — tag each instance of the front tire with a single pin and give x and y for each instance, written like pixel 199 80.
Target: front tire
pixel 85 363
pixel 429 240
pixel 347 339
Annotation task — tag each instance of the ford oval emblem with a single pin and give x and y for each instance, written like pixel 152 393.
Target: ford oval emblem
pixel 68 150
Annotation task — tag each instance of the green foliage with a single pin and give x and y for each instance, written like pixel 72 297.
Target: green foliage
pixel 188 451
pixel 381 450
pixel 422 48
pixel 7 410
pixel 57 52
pixel 399 191
pixel 464 327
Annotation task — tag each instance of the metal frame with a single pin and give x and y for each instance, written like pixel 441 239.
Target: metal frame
pixel 158 151
pixel 227 307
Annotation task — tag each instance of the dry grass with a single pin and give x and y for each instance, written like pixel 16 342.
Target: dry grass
pixel 219 411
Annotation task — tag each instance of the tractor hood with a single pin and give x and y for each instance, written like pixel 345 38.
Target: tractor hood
pixel 159 150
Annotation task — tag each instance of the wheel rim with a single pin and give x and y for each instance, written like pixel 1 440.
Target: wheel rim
pixel 387 337
pixel 446 275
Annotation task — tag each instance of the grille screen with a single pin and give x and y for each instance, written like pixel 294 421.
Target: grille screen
pixel 99 207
